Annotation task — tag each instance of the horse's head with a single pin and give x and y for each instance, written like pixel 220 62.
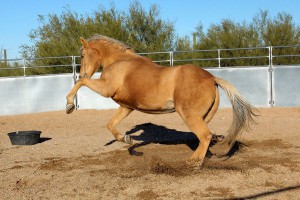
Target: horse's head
pixel 90 60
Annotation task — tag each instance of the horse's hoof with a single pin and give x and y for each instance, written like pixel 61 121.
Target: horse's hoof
pixel 127 139
pixel 70 108
pixel 220 150
pixel 195 164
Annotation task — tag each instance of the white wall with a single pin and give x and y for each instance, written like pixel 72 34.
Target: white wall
pixel 23 95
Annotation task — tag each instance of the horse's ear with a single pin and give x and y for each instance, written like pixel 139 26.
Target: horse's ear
pixel 84 42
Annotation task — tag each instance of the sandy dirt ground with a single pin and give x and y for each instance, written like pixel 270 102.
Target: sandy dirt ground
pixel 77 158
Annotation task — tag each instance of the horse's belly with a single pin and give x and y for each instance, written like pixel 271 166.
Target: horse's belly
pixel 156 107
pixel 158 111
pixel 153 107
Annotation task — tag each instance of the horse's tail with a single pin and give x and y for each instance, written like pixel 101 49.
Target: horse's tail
pixel 243 115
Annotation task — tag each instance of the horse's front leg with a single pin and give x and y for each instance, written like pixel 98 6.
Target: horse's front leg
pixel 97 85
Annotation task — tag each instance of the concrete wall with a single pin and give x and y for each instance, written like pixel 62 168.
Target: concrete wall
pixel 34 94
pixel 253 84
pixel 286 86
pixel 47 93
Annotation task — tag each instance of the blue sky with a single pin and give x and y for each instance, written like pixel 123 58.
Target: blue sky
pixel 19 17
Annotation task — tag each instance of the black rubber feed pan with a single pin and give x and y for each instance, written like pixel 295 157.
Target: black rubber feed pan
pixel 24 137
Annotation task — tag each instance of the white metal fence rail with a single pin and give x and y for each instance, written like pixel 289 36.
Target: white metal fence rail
pixel 171 57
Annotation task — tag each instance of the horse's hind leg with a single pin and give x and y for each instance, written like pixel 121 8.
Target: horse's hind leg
pixel 197 125
pixel 121 113
pixel 211 113
pixel 213 108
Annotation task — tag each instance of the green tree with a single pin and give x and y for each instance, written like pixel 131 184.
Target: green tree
pixel 278 31
pixel 262 31
pixel 58 35
pixel 147 32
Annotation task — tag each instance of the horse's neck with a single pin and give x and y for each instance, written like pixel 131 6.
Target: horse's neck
pixel 116 57
pixel 111 53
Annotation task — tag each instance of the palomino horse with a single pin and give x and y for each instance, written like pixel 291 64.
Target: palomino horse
pixel 136 83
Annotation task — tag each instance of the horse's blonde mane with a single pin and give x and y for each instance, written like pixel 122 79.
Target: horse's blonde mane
pixel 109 40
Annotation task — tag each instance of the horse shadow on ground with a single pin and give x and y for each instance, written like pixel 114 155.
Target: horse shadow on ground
pixel 266 193
pixel 157 134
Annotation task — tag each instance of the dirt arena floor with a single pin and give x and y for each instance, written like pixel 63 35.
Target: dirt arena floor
pixel 77 158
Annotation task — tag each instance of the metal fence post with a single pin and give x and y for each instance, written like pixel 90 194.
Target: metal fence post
pixel 271 81
pixel 24 67
pixel 74 66
pixel 270 56
pixel 171 58
pixel 219 57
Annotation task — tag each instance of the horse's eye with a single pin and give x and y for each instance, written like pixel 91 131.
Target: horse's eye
pixel 82 55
